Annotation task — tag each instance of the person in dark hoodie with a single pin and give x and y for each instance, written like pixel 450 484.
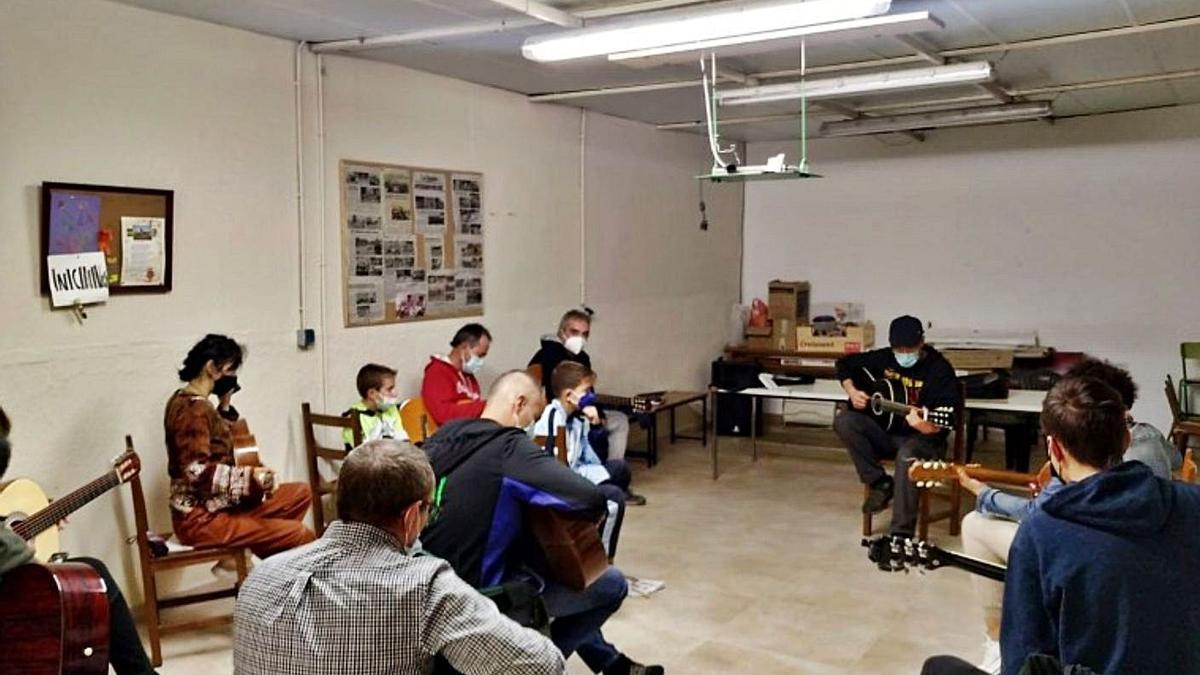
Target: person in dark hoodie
pixel 125 652
pixel 1098 576
pixel 487 469
pixel 929 381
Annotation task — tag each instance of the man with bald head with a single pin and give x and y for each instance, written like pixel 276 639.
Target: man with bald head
pixel 487 470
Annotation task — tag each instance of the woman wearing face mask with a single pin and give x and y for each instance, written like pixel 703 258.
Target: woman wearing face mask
pixel 449 389
pixel 213 501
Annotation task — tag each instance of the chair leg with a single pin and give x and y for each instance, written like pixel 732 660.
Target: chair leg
pixel 867 528
pixel 956 498
pixel 242 569
pixel 923 516
pixel 153 620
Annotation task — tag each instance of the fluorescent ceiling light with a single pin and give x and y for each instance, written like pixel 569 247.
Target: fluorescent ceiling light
pixel 1011 112
pixel 689 26
pixel 854 29
pixel 870 83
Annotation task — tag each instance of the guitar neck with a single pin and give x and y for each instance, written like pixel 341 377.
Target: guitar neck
pixel 973 565
pixel 61 508
pixel 893 407
pixel 614 401
pixel 949 473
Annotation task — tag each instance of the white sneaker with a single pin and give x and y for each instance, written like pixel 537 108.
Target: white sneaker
pixel 991 657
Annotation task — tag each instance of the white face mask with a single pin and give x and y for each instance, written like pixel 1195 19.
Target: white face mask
pixel 472 365
pixel 389 401
pixel 575 344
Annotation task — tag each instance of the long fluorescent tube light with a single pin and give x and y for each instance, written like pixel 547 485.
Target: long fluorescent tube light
pixel 854 29
pixel 685 26
pixel 870 83
pixel 1011 112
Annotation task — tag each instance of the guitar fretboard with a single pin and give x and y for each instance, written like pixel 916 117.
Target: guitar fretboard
pixel 61 508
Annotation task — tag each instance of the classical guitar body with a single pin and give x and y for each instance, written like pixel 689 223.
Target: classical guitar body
pixel 573 549
pixel 53 619
pixel 20 499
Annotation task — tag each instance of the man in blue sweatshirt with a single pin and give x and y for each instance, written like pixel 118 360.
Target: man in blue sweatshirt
pixel 1099 576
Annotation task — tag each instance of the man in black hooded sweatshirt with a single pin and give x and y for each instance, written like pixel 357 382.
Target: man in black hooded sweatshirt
pixel 929 382
pixel 487 470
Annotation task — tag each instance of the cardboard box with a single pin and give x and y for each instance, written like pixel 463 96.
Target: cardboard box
pixel 788 300
pixel 783 338
pixel 979 359
pixel 857 339
pixel 759 331
pixel 760 343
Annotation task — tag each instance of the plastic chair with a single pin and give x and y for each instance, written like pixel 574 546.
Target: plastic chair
pixel 418 423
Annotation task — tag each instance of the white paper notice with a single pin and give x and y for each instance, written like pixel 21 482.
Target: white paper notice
pixel 143 251
pixel 366 301
pixel 79 277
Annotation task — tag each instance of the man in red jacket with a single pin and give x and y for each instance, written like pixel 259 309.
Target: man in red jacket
pixel 450 390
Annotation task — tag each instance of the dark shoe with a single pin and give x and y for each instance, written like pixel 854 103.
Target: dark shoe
pixel 879 497
pixel 634 500
pixel 623 666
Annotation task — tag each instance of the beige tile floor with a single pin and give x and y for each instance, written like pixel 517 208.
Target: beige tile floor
pixel 764 571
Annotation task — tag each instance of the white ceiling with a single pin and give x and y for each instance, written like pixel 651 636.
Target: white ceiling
pixel 495 58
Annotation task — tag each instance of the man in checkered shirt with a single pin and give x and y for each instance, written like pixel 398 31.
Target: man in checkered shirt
pixel 355 601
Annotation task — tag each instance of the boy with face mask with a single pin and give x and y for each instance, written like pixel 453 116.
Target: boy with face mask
pixel 379 410
pixel 450 390
pixel 929 381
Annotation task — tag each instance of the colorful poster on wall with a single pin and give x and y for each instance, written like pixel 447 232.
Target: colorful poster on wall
pixel 412 243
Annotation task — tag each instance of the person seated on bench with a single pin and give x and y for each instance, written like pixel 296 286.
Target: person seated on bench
pixel 1098 574
pixel 125 652
pixel 488 470
pixel 378 411
pixel 571 408
pixel 450 390
pixel 213 501
pixel 358 601
pixel 988 531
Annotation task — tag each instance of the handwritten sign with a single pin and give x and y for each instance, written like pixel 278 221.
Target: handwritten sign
pixel 81 277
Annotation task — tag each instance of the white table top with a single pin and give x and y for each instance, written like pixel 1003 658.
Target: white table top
pixel 1019 400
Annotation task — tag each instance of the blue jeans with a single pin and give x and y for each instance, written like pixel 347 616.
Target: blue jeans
pixel 578 616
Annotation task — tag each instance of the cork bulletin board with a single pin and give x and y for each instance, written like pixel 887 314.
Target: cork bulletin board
pixel 133 227
pixel 412 243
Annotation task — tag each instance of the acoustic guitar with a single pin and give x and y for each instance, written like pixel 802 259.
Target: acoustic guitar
pixel 22 497
pixel 898 554
pixel 933 473
pixel 889 406
pixel 638 403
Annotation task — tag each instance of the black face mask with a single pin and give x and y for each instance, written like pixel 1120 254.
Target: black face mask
pixel 5 454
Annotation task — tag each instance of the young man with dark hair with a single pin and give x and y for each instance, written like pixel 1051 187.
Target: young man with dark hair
pixel 450 390
pixel 1098 575
pixel 125 652
pixel 928 379
pixel 379 409
pixel 574 329
pixel 358 601
pixel 488 470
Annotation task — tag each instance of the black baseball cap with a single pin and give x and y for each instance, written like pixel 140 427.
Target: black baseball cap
pixel 906 331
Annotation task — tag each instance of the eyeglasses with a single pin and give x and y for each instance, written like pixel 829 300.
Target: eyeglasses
pixel 432 510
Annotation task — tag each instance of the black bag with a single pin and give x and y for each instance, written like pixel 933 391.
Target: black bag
pixel 521 601
pixel 985 385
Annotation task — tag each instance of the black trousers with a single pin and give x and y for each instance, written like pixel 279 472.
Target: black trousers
pixel 125 651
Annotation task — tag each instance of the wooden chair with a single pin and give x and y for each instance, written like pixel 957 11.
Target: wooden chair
pixel 418 423
pixel 150 566
pixel 952 494
pixel 1183 427
pixel 560 444
pixel 314 451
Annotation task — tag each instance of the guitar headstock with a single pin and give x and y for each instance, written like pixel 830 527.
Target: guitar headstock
pixel 898 554
pixel 127 466
pixel 928 473
pixel 942 416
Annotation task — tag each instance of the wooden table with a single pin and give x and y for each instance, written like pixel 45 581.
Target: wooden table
pixel 1026 402
pixel 671 401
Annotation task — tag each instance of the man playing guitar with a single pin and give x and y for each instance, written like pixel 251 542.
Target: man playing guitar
pixel 928 382
pixel 125 651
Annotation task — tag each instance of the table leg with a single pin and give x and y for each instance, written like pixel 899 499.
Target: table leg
pixel 712 393
pixel 673 425
pixel 753 428
pixel 704 421
pixel 652 446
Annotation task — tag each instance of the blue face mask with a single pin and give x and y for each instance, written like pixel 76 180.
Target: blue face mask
pixel 906 360
pixel 473 365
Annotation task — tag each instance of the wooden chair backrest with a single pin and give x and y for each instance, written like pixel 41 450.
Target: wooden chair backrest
pixel 417 422
pixel 140 518
pixel 560 444
pixel 313 451
pixel 1172 400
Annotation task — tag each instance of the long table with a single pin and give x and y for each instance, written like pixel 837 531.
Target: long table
pixel 1020 401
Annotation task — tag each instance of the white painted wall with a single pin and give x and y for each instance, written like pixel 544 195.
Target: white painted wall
pixel 1085 231
pixel 102 93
